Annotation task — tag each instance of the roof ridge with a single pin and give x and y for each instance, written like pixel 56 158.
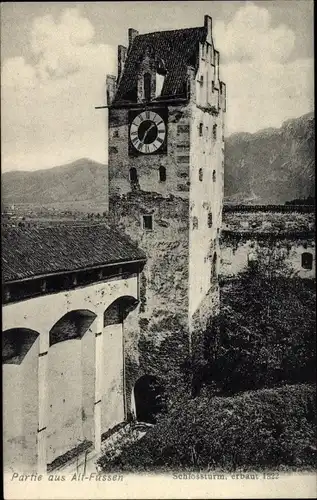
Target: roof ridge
pixel 170 31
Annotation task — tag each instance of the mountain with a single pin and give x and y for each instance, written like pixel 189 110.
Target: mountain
pixel 272 165
pixel 83 179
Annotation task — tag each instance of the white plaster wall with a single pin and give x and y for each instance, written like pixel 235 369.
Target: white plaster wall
pixel 64 427
pixel 20 412
pixel 234 261
pixel 112 393
pixel 88 356
pixel 206 195
pixel 12 417
pixel 30 402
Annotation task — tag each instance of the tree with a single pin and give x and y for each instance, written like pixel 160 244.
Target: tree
pixel 265 334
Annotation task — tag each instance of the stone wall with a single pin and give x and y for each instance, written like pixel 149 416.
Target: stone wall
pixel 276 219
pixel 176 161
pixel 164 279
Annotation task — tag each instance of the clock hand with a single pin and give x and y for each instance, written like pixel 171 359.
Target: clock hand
pixel 147 132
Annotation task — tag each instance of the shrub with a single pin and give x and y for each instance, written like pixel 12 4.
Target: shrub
pixel 265 334
pixel 261 429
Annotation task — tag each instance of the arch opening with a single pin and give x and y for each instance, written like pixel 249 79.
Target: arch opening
pixel 16 343
pixel 119 310
pixel 72 325
pixel 150 399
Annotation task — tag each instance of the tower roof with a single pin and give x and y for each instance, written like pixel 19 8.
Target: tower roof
pixel 176 48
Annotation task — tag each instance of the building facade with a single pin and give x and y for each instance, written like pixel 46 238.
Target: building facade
pixel 283 235
pixel 68 293
pixel 166 114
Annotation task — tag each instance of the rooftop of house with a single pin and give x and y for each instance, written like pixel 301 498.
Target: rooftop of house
pixel 33 252
pixel 176 48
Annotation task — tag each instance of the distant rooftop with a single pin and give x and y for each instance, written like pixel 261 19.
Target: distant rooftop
pixel 32 252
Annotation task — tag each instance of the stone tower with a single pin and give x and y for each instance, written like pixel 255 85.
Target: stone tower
pixel 166 170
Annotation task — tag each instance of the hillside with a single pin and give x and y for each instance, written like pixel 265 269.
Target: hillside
pixel 270 166
pixel 83 179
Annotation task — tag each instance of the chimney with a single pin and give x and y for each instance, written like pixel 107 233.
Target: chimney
pixel 131 35
pixel 122 54
pixel 110 88
pixel 208 27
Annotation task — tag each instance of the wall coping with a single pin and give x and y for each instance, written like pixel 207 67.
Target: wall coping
pixel 269 208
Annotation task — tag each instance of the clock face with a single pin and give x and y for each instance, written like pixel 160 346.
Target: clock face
pixel 147 132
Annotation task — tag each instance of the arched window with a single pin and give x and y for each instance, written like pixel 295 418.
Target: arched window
pixel 133 174
pixel 200 174
pixel 147 86
pixel 307 260
pixel 195 222
pixel 162 172
pixel 214 176
pixel 214 131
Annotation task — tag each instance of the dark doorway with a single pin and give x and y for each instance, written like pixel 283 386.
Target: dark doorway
pixel 150 399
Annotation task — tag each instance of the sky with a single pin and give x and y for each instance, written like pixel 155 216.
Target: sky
pixel 55 57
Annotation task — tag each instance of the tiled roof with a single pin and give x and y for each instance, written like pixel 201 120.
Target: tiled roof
pixel 31 252
pixel 176 48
